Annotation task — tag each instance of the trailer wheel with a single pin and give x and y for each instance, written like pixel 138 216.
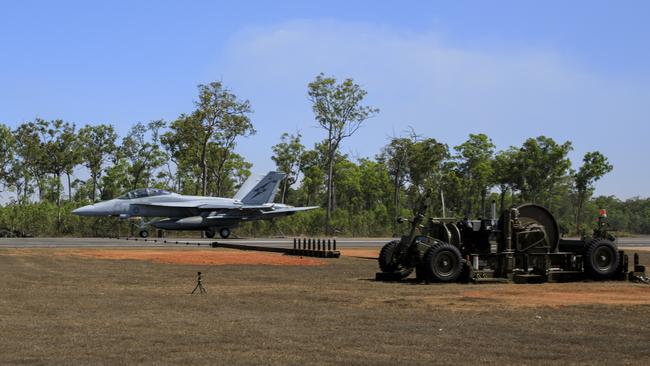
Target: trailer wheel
pixel 387 263
pixel 600 259
pixel 443 263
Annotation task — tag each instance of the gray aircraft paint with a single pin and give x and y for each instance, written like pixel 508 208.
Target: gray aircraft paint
pixel 181 212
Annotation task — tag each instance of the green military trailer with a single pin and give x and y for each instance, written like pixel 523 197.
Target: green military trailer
pixel 522 245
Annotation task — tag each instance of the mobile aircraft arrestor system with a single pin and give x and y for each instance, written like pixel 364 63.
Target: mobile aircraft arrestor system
pixel 523 245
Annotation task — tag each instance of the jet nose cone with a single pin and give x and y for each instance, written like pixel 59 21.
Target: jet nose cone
pixel 84 211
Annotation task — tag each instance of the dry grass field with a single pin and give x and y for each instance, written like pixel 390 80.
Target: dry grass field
pixel 91 306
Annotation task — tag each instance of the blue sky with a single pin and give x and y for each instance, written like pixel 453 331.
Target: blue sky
pixel 571 70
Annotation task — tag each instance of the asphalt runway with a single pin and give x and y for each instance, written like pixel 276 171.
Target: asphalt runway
pixel 633 242
pixel 174 242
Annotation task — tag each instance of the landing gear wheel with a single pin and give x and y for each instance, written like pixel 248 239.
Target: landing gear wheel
pixel 209 234
pixel 144 233
pixel 224 233
pixel 600 259
pixel 443 263
pixel 387 263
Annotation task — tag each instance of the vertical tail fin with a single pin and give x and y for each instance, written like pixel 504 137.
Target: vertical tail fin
pixel 265 190
pixel 248 185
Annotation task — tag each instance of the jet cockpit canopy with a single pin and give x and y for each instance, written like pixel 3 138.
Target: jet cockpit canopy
pixel 143 192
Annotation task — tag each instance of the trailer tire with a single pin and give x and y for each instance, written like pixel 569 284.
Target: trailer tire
pixel 386 263
pixel 443 263
pixel 600 259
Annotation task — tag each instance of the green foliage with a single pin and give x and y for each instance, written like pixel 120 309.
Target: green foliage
pixel 475 158
pixel 7 147
pixel 201 144
pixel 540 165
pixel 97 145
pixel 594 166
pixel 339 110
pixel 194 154
pixel 286 156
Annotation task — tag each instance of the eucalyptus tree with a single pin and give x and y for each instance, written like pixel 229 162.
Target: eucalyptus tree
pixel 185 150
pixel 287 154
pixel 395 157
pixel 97 147
pixel 141 148
pixel 220 118
pixel 311 167
pixel 339 110
pixel 7 147
pixel 226 176
pixel 594 166
pixel 59 155
pixel 426 167
pixel 504 173
pixel 475 164
pixel 541 164
pixel 29 147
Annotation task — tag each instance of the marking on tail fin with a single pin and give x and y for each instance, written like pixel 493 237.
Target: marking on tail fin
pixel 265 190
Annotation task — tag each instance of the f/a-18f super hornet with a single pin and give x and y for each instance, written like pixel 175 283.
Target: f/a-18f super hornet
pixel 173 211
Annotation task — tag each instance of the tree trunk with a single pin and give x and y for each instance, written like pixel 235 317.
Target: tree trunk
pixel 483 194
pixel 204 169
pixel 328 217
pixel 94 188
pixel 69 187
pixel 396 202
pixel 579 213
pixel 284 189
pixel 58 202
pixel 502 199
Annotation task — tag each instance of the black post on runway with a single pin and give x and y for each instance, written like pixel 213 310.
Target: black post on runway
pixel 334 244
pixel 294 243
pixel 319 244
pixel 329 244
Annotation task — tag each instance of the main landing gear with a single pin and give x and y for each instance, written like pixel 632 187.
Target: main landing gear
pixel 223 232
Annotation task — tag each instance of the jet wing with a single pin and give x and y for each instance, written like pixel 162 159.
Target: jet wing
pixel 186 204
pixel 175 209
pixel 188 208
pixel 247 213
pixel 286 211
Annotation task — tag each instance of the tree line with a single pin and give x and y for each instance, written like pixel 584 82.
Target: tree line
pixel 40 162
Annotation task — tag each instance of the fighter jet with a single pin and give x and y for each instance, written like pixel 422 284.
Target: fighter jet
pixel 173 211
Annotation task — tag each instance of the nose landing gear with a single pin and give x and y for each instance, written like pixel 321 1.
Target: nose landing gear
pixel 144 233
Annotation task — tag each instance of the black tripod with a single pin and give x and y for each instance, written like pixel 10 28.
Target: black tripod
pixel 199 284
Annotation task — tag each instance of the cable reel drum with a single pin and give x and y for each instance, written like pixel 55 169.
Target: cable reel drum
pixel 531 228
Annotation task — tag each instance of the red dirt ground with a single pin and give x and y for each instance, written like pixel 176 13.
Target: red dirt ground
pixel 361 253
pixel 200 257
